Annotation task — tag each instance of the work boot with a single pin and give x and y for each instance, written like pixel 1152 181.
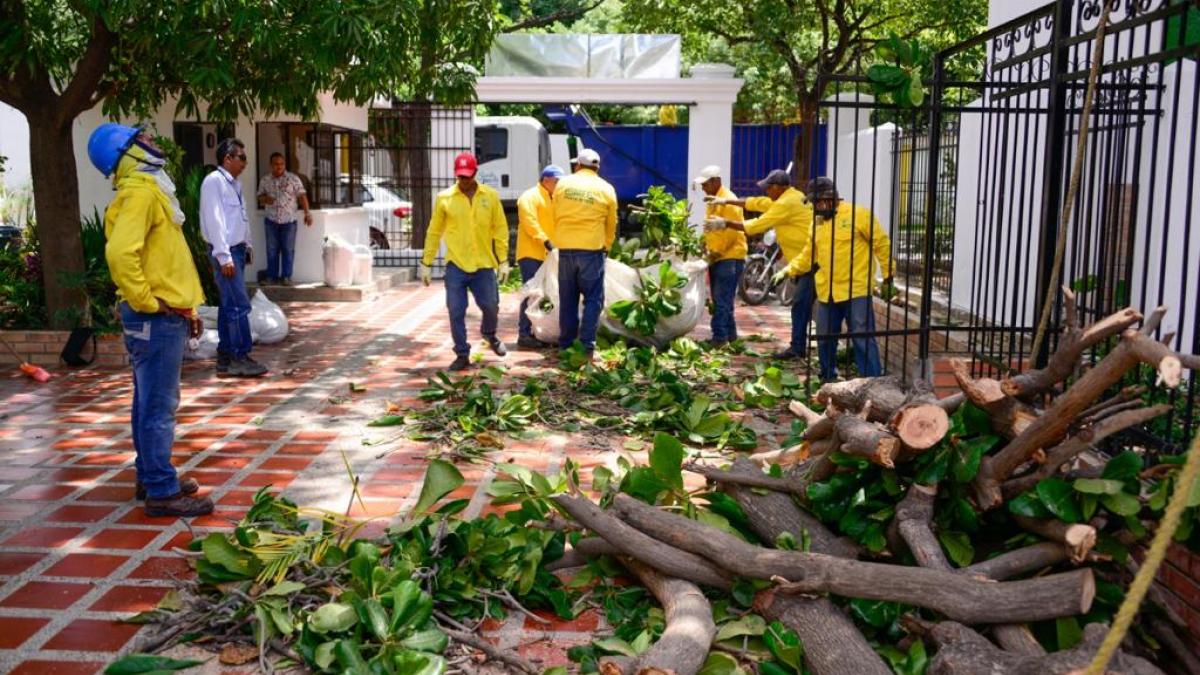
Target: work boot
pixel 497 347
pixel 223 361
pixel 285 282
pixel 187 486
pixel 461 362
pixel 245 367
pixel 530 342
pixel 178 505
pixel 787 355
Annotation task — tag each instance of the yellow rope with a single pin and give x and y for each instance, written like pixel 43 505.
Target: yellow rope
pixel 1158 551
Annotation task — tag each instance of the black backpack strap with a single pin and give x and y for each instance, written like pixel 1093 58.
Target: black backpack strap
pixel 72 354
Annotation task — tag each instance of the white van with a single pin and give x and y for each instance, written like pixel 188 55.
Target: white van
pixel 512 151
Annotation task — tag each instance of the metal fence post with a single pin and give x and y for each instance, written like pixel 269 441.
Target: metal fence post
pixel 931 179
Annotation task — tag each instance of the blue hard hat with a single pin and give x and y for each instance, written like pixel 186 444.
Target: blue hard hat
pixel 107 143
pixel 552 171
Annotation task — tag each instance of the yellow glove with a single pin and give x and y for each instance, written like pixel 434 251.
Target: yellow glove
pixel 779 276
pixel 715 201
pixel 714 224
pixel 426 274
pixel 505 268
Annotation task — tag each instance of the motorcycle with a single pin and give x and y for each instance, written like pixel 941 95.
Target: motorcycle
pixel 761 264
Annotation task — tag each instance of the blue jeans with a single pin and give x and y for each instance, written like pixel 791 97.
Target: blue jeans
pixel 233 316
pixel 859 313
pixel 528 267
pixel 802 310
pixel 281 249
pixel 155 344
pixel 483 286
pixel 580 273
pixel 724 276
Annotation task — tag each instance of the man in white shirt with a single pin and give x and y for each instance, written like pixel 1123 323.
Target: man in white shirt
pixel 225 227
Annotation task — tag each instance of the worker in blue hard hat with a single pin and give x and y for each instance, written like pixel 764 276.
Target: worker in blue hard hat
pixel 151 265
pixel 535 238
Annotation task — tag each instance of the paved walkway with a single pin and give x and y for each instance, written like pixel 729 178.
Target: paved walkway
pixel 76 553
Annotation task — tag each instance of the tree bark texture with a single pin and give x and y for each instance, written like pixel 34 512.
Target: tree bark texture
pixel 56 199
pixel 866 439
pixel 1077 539
pixel 685 641
pixel 957 596
pixel 962 651
pixel 1009 417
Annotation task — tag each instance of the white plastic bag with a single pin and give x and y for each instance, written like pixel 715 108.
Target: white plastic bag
pixel 363 260
pixel 338 257
pixel 620 283
pixel 208 315
pixel 268 324
pixel 203 347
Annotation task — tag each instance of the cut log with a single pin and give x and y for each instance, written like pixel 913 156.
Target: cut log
pixel 773 513
pixel 832 644
pixel 962 651
pixel 1009 417
pixel 957 596
pixel 885 394
pixel 1017 638
pixel 1071 348
pixel 635 544
pixel 1050 428
pixel 1077 538
pixel 1071 448
pixel 685 641
pixel 920 425
pixel 1019 562
pixel 818 425
pixel 866 439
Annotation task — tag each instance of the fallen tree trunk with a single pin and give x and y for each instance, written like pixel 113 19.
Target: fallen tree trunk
pixel 832 644
pixel 955 595
pixel 791 482
pixel 866 439
pixel 773 513
pixel 818 426
pixel 635 544
pixel 685 641
pixel 962 651
pixel 885 394
pixel 1051 427
pixel 915 417
pixel 580 553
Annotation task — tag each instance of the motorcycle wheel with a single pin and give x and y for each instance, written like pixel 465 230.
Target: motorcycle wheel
pixel 787 292
pixel 756 281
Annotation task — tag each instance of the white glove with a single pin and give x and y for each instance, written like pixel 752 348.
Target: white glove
pixel 715 201
pixel 426 274
pixel 505 268
pixel 779 276
pixel 714 224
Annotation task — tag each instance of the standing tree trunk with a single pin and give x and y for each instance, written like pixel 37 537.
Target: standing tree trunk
pixel 420 172
pixel 56 200
pixel 805 147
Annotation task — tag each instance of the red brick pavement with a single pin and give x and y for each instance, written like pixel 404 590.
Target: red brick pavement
pixel 76 552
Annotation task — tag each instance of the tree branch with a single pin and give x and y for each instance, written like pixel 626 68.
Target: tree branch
pixel 568 14
pixel 88 73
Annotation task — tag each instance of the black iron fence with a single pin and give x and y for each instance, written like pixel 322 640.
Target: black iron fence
pixel 971 187
pixel 409 158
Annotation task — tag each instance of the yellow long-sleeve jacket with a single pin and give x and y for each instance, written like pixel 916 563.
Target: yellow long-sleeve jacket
pixel 843 247
pixel 475 230
pixel 535 223
pixel 726 244
pixel 790 217
pixel 146 250
pixel 585 212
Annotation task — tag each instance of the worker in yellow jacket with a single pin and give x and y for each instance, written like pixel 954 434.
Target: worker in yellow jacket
pixel 585 224
pixel 535 232
pixel 785 211
pixel 151 265
pixel 726 254
pixel 469 216
pixel 847 244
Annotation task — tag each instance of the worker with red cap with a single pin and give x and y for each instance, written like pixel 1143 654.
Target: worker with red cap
pixel 469 217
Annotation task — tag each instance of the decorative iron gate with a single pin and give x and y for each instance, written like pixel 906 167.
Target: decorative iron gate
pixel 974 231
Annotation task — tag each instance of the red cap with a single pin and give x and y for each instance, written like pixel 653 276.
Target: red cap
pixel 465 165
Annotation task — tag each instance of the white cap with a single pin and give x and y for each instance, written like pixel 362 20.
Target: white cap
pixel 589 158
pixel 710 171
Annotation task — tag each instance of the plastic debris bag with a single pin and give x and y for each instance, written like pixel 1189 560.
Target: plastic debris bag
pixel 338 258
pixel 202 348
pixel 268 323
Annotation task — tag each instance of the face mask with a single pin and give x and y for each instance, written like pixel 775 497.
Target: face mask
pixel 826 213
